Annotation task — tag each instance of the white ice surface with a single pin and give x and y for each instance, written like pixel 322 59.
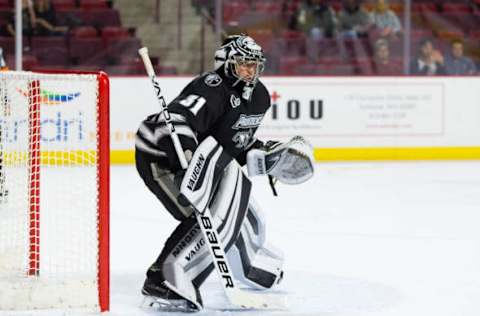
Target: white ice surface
pixel 389 239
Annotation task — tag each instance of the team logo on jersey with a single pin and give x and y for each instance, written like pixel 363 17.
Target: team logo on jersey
pixel 248 121
pixel 234 101
pixel 242 138
pixel 213 80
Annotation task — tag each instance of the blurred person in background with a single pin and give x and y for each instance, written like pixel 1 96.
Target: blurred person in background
pixel 47 19
pixel 382 63
pixel 429 60
pixel 37 19
pixel 456 63
pixel 353 19
pixel 386 21
pixel 29 20
pixel 316 19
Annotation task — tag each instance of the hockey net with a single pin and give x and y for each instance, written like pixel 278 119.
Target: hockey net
pixel 54 183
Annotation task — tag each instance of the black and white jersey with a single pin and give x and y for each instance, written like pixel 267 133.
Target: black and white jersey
pixel 208 106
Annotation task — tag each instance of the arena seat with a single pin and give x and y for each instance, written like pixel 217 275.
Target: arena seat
pixel 50 50
pixel 87 50
pixel 28 62
pixel 93 4
pixel 8 44
pixel 101 17
pixel 84 32
pixel 311 69
pixel 116 47
pixel 110 32
pixel 340 70
pixel 5 4
pixel 456 7
pixel 63 4
pixel 289 64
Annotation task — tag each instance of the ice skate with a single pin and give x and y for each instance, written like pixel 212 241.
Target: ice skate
pixel 162 298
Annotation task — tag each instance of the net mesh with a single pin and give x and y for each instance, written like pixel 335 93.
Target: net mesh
pixel 48 191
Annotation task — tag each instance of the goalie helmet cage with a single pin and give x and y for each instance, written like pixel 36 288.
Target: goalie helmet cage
pixel 54 206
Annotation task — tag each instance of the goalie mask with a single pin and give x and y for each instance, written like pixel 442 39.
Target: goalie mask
pixel 242 59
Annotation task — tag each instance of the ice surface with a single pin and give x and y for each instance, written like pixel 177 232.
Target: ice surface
pixel 390 239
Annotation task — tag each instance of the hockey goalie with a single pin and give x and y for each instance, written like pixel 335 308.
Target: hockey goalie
pixel 216 117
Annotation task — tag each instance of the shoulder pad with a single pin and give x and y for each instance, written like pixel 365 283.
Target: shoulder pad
pixel 212 79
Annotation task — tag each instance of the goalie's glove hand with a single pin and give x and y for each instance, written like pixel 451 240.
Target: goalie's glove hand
pixel 290 163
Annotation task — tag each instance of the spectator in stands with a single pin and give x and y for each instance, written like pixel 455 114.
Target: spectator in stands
pixel 47 19
pixel 456 63
pixel 28 20
pixel 353 19
pixel 316 19
pixel 382 63
pixel 429 61
pixel 386 21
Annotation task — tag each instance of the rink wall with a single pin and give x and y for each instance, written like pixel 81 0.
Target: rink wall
pixel 345 118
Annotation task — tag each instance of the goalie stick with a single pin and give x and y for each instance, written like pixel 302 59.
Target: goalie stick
pixel 236 296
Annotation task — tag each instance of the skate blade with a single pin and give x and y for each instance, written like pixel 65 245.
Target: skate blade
pixel 152 303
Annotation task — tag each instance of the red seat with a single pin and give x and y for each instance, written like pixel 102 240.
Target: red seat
pixel 363 66
pixel 233 10
pixel 7 44
pixel 289 64
pixel 263 37
pixel 101 17
pixel 340 70
pixel 394 68
pixel 121 46
pixel 292 43
pixel 111 32
pixel 475 34
pixel 5 15
pixel 93 4
pixel 6 4
pixel 322 48
pixel 28 62
pixel 292 6
pixel 65 15
pixel 63 4
pixel 84 32
pixel 420 33
pixel 456 7
pixel 450 35
pixel 268 7
pixel 87 51
pixel 331 60
pixel 424 7
pixel 311 69
pixel 165 70
pixel 444 21
pixel 119 70
pixel 50 50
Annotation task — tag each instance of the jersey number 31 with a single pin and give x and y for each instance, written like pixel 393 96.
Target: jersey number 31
pixel 193 103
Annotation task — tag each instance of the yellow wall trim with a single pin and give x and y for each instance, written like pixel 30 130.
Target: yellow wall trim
pixel 397 153
pixel 351 154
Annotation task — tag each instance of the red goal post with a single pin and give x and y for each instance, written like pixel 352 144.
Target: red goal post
pixel 54 201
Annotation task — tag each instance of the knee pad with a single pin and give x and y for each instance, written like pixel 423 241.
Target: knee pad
pixel 185 261
pixel 255 262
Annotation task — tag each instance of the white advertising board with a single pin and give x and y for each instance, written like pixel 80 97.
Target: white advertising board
pixel 335 112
